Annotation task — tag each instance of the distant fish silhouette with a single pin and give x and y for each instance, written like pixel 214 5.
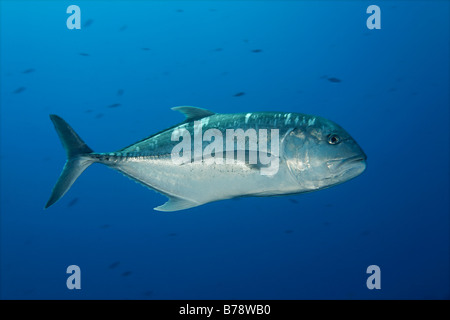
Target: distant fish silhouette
pixel 19 90
pixel 173 234
pixel 114 265
pixel 84 54
pixel 179 10
pixel 239 94
pixel 88 111
pixel 257 50
pixel 218 49
pixel 120 92
pixel 73 202
pixel 126 273
pixel 28 291
pixel 288 231
pixel 99 115
pixel 145 49
pixel 88 23
pixel 123 28
pixel 335 80
pixel 293 200
pixel 148 293
pixel 114 105
pixel 105 226
pixel 30 70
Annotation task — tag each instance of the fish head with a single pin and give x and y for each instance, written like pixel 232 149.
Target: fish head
pixel 320 154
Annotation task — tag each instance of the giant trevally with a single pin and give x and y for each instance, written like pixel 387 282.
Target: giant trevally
pixel 293 153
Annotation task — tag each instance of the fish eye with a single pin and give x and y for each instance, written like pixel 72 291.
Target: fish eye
pixel 333 139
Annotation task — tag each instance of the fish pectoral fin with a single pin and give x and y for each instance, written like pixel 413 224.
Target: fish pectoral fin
pixel 193 113
pixel 176 204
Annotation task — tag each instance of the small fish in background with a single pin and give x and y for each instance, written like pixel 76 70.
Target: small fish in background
pixel 218 49
pixel 172 234
pixel 88 23
pixel 72 202
pixel 29 291
pixel 119 92
pixel 88 111
pixel 114 265
pixel 179 10
pixel 19 90
pixel 293 200
pixel 114 105
pixel 333 79
pixel 245 40
pixel 257 50
pixel 145 49
pixel 105 226
pixel 288 231
pixel 30 70
pixel 126 273
pixel 148 293
pixel 99 115
pixel 239 94
pixel 84 54
pixel 123 28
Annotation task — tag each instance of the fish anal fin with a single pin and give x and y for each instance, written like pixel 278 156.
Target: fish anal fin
pixel 176 204
pixel 193 113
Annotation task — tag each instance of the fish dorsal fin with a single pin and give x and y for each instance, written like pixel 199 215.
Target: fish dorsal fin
pixel 176 204
pixel 193 113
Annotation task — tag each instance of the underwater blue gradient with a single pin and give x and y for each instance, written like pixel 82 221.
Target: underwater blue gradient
pixel 393 98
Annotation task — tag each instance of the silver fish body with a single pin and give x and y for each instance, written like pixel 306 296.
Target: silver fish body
pixel 312 153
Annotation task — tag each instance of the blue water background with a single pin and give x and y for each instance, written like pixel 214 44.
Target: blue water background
pixel 393 98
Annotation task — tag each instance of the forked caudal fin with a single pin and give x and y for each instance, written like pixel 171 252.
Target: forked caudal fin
pixel 77 158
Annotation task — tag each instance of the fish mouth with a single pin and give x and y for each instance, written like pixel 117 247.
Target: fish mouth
pixel 338 163
pixel 355 159
pixel 349 167
pixel 353 166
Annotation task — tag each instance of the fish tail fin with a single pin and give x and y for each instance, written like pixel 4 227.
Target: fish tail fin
pixel 78 158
